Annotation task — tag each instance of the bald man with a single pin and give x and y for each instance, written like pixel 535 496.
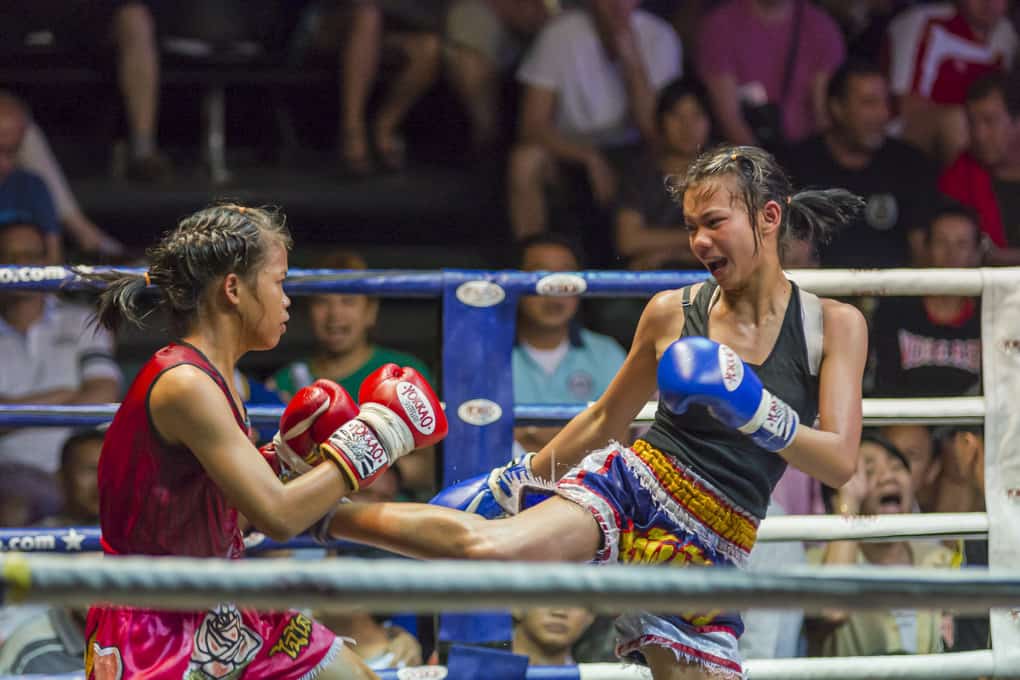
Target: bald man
pixel 24 197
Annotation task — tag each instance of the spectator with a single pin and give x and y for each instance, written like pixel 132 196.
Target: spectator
pixel 589 85
pixel 881 486
pixel 895 178
pixel 555 360
pixel 986 177
pixel 79 463
pixel 546 635
pixel 345 353
pixel 766 64
pixel 23 195
pixel 48 641
pixel 915 442
pixel 650 231
pixel 51 355
pixel 36 156
pixel 935 52
pixel 486 38
pixel 27 495
pixel 360 30
pixel 931 346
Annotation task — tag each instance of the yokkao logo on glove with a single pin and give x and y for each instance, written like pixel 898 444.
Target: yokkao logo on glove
pixel 731 367
pixel 361 445
pixel 417 406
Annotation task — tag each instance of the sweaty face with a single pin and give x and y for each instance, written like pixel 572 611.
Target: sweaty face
pixel 954 242
pixel 555 629
pixel 720 232
pixel 264 306
pixel 861 116
pixel 548 312
pixel 991 129
pixel 890 489
pixel 685 127
pixel 340 323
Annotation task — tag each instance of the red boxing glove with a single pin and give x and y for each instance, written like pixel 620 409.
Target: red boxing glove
pixel 315 412
pixel 399 413
pixel 268 452
pixel 405 392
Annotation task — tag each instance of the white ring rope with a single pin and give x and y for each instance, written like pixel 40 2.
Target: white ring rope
pixel 391 585
pixel 852 282
pixel 874 528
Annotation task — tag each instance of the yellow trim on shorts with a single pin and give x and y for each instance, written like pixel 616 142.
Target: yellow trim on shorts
pixel 700 502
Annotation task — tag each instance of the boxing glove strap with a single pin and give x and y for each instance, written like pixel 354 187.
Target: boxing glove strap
pixel 760 414
pixel 392 431
pixel 288 457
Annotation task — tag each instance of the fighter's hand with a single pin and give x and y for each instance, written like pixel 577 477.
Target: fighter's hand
pixel 315 412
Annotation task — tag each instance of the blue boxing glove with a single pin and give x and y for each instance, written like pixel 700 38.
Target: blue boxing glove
pixel 700 371
pixel 503 491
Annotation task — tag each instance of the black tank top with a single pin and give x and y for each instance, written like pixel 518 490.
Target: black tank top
pixel 729 460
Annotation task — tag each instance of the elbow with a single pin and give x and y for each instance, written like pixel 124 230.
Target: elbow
pixel 277 529
pixel 842 471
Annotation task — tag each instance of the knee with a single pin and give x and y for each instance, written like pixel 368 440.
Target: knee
pixel 133 24
pixel 527 162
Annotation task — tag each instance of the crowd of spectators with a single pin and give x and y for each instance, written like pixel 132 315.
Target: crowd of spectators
pixel 911 105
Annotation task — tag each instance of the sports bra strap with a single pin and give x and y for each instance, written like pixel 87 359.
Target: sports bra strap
pixel 814 332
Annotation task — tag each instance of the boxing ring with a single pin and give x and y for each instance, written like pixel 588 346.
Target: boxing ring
pixel 479 313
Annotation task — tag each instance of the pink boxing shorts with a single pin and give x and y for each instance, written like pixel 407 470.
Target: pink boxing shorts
pixel 652 510
pixel 224 643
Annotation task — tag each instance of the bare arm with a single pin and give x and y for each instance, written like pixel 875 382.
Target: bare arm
pixel 722 92
pixel 634 238
pixel 611 416
pixel 829 453
pixel 188 408
pixel 538 113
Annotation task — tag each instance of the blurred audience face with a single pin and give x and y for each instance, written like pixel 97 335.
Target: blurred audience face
pixel 80 480
pixel 13 123
pixel 991 129
pixel 554 630
pixel 21 244
pixel 544 312
pixel 982 15
pixel 685 127
pixel 954 241
pixel 340 323
pixel 860 117
pixel 915 442
pixel 890 489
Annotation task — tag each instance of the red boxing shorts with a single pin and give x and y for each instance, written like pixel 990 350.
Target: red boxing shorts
pixel 652 510
pixel 224 643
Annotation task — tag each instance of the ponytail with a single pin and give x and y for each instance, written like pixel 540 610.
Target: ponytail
pixel 815 215
pixel 123 298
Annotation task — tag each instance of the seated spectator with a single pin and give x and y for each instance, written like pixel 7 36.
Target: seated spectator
pixel 854 153
pixel 27 495
pixel 360 29
pixel 486 38
pixel 766 64
pixel 915 442
pixel 50 640
pixel 345 353
pixel 589 85
pixel 935 52
pixel 555 360
pixel 79 465
pixel 546 635
pixel 23 194
pixel 881 486
pixel 986 177
pixel 52 355
pixel 650 231
pixel 36 156
pixel 931 346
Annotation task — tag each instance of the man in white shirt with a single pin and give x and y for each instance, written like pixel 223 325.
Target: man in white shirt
pixel 51 354
pixel 589 88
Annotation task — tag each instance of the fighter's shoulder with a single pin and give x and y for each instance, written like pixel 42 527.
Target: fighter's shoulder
pixel 665 310
pixel 842 320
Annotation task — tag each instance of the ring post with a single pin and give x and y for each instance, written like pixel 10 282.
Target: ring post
pixel 479 321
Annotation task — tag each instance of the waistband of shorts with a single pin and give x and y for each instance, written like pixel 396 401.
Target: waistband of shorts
pixel 698 498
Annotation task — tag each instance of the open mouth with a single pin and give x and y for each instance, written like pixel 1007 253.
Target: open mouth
pixel 715 266
pixel 890 502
